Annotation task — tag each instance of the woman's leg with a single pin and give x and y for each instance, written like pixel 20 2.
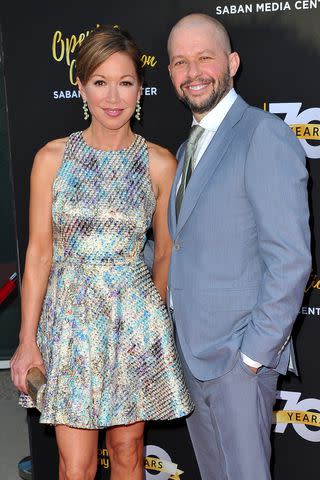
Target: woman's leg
pixel 125 448
pixel 77 452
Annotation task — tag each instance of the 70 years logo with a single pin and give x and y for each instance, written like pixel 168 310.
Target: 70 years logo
pixel 302 414
pixel 305 124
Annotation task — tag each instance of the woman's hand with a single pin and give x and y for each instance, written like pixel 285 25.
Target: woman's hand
pixel 25 357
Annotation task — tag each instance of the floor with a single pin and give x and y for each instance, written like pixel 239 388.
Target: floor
pixel 14 442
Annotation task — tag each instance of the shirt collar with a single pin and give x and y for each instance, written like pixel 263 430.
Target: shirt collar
pixel 212 120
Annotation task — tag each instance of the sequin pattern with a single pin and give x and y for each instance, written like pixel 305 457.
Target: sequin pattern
pixel 104 333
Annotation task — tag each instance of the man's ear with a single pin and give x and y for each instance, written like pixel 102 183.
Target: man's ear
pixel 169 69
pixel 234 63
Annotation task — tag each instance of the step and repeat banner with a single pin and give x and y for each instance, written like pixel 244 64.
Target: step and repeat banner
pixel 279 44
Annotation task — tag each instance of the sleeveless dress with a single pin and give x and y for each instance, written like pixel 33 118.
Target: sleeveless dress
pixel 104 333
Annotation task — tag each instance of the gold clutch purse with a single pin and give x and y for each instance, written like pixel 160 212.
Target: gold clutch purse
pixel 36 382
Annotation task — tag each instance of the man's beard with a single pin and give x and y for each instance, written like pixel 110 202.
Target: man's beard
pixel 214 98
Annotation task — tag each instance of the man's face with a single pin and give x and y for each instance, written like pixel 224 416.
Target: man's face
pixel 200 68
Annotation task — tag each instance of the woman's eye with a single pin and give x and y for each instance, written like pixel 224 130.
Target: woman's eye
pixel 126 83
pixel 99 82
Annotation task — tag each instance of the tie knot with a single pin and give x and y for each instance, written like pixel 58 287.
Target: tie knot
pixel 195 133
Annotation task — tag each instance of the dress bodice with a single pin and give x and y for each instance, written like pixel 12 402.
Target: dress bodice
pixel 103 203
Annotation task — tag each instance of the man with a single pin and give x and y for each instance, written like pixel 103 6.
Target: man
pixel 238 218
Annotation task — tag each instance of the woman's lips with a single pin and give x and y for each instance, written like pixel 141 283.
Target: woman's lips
pixel 113 112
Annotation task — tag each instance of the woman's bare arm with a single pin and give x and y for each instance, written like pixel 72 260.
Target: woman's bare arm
pixel 162 170
pixel 38 260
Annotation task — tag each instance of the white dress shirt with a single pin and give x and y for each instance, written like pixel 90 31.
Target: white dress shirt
pixel 211 122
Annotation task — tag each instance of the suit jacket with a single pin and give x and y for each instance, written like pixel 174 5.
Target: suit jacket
pixel 241 256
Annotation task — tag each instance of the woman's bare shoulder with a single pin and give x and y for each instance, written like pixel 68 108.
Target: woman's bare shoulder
pixel 48 159
pixel 54 148
pixel 161 158
pixel 163 167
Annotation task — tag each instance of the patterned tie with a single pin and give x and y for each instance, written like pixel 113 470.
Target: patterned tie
pixel 188 163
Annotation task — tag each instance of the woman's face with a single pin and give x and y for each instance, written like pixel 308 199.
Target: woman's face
pixel 112 91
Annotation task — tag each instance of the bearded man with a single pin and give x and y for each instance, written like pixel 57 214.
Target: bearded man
pixel 238 218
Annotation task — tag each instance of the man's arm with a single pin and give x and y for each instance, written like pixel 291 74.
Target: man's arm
pixel 276 182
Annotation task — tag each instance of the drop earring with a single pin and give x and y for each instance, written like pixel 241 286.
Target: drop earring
pixel 85 110
pixel 138 110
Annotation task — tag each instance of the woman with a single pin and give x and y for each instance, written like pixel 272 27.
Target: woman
pixel 104 339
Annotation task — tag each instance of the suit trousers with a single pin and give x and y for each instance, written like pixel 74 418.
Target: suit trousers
pixel 231 424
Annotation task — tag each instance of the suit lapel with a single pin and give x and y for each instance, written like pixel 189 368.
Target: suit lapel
pixel 208 163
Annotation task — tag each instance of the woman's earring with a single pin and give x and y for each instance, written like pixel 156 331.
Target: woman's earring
pixel 138 109
pixel 85 110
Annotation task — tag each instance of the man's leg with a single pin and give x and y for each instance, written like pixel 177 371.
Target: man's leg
pixel 203 436
pixel 230 429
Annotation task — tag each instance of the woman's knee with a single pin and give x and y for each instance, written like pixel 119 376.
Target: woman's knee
pixel 78 453
pixel 126 453
pixel 80 472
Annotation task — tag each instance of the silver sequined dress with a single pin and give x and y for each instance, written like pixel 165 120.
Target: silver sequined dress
pixel 104 333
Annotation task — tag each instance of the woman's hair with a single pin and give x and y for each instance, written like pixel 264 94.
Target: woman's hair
pixel 99 45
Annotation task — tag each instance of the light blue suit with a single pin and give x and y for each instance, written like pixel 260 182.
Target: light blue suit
pixel 241 256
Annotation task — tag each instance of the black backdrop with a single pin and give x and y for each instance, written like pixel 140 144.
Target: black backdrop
pixel 279 43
